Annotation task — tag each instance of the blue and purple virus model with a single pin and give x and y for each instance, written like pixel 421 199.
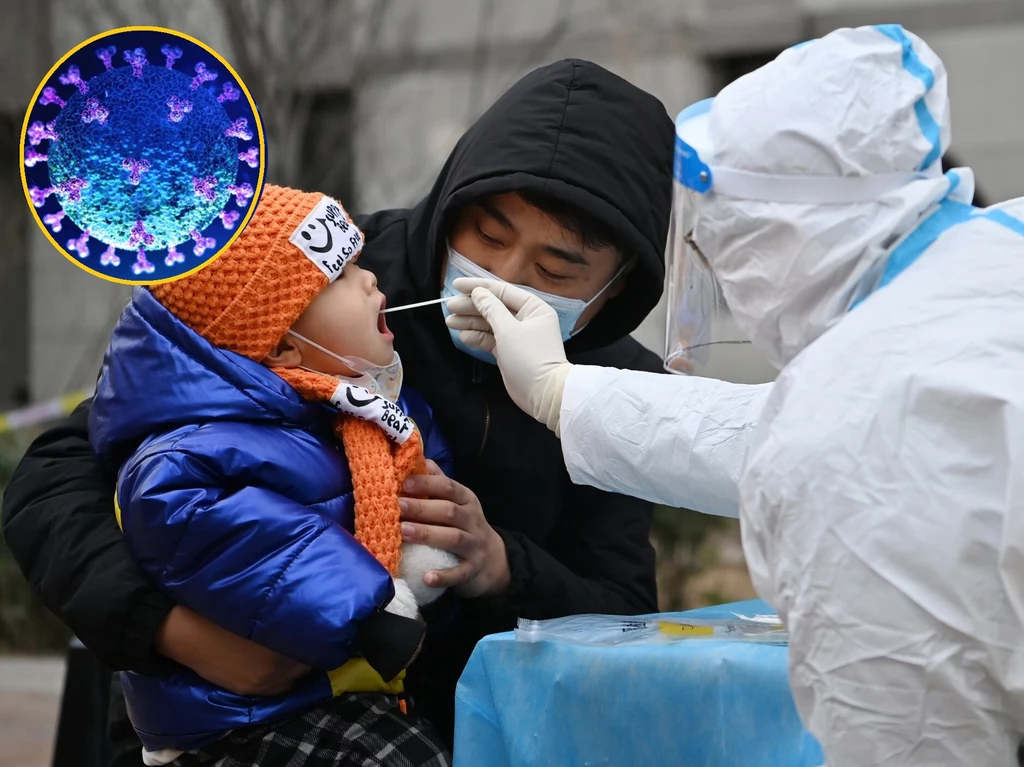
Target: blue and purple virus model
pixel 143 155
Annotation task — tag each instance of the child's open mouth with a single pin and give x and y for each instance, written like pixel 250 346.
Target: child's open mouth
pixel 382 323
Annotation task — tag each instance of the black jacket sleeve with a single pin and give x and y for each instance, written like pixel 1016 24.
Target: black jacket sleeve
pixel 599 560
pixel 58 521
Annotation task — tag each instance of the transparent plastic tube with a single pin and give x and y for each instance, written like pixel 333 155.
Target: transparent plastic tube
pixel 616 631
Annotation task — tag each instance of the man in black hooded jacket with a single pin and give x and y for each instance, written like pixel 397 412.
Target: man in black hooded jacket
pixel 592 155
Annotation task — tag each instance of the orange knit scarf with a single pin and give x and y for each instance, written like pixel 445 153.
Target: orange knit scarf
pixel 378 467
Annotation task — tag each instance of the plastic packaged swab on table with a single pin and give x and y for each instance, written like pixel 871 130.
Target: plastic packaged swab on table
pixel 613 630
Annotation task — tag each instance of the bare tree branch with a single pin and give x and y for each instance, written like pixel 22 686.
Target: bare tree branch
pixel 551 38
pixel 379 10
pixel 83 371
pixel 100 15
pixel 563 19
pixel 253 15
pixel 311 31
pixel 156 13
pixel 479 71
pixel 276 43
pixel 43 33
pixel 375 23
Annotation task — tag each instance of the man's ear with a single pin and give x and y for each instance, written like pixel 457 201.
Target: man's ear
pixel 619 285
pixel 285 354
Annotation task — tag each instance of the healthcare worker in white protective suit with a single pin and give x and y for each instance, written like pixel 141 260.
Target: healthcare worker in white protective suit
pixel 881 478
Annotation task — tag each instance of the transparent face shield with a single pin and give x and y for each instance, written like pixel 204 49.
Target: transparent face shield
pixel 701 337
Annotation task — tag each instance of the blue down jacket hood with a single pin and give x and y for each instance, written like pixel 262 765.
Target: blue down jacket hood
pixel 236 499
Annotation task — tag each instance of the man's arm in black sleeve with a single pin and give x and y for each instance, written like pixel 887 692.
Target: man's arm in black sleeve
pixel 59 523
pixel 600 560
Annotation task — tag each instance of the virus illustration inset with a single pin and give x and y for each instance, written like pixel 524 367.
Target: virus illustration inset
pixel 140 149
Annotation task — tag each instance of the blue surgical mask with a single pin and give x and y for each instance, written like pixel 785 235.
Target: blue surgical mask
pixel 569 310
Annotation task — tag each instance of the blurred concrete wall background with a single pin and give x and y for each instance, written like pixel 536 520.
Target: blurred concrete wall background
pixel 388 86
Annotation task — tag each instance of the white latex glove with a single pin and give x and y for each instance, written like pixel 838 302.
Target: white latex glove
pixel 522 333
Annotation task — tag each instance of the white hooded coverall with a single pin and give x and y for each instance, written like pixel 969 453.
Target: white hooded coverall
pixel 880 480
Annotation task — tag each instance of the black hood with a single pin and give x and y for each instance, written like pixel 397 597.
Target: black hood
pixel 575 132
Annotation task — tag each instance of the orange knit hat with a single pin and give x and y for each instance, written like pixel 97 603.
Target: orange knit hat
pixel 246 300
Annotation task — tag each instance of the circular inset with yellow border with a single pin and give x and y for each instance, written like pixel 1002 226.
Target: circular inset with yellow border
pixel 143 155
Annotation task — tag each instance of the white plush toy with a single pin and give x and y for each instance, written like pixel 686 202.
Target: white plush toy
pixel 411 592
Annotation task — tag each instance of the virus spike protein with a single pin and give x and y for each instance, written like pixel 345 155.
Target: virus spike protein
pixel 228 92
pixel 174 257
pixel 80 245
pixel 106 55
pixel 202 243
pixel 202 76
pixel 142 264
pixel 171 54
pixel 205 187
pixel 243 193
pixel 95 111
pixel 38 133
pixel 136 60
pixel 229 218
pixel 32 157
pixel 74 77
pixel 179 108
pixel 53 220
pixel 140 236
pixel 72 189
pixel 239 129
pixel 50 97
pixel 135 169
pixel 250 156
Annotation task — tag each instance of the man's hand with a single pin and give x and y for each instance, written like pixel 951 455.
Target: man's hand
pixel 448 516
pixel 523 333
pixel 223 658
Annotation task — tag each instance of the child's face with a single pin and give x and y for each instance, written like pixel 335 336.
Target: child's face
pixel 346 318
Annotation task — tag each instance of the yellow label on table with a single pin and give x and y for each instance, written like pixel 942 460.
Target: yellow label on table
pixel 685 629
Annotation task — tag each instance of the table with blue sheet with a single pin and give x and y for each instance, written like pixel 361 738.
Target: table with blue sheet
pixel 693 703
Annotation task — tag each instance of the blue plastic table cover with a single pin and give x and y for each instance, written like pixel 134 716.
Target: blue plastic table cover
pixel 692 703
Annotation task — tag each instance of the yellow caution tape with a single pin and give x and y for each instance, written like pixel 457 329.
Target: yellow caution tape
pixel 40 412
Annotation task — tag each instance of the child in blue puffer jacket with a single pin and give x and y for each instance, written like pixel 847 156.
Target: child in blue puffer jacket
pixel 258 403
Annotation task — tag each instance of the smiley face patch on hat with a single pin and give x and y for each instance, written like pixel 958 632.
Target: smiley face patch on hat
pixel 328 238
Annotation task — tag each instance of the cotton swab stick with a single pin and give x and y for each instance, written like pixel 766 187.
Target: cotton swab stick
pixel 417 306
